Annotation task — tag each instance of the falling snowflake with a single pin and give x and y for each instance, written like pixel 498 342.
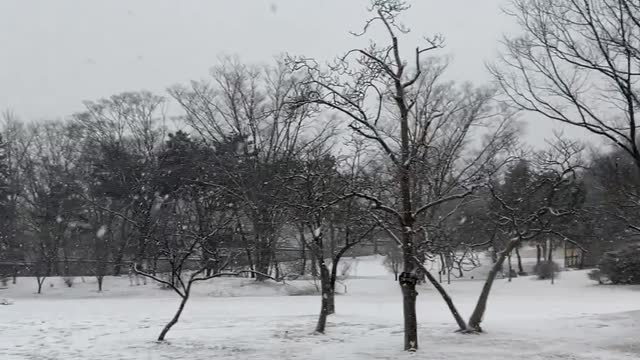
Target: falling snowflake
pixel 101 231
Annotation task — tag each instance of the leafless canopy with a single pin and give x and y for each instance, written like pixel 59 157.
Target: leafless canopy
pixel 577 62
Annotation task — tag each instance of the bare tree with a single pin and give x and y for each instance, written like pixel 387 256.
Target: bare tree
pixel 336 222
pixel 552 195
pixel 381 75
pixel 403 108
pixel 577 63
pixel 247 108
pixel 179 250
pixel 124 134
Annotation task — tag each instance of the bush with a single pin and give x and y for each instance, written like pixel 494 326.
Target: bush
pixel 546 269
pixel 622 266
pixel 596 275
pixel 291 270
pixel 68 280
pixel 302 290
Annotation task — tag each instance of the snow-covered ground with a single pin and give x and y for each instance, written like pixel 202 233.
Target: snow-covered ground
pixel 238 319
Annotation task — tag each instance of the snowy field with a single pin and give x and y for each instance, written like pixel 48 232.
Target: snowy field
pixel 238 319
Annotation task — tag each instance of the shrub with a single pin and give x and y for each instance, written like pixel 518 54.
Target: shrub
pixel 291 270
pixel 622 266
pixel 302 290
pixel 596 275
pixel 68 280
pixel 546 269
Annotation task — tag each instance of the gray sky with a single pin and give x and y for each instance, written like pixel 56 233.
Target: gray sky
pixel 55 54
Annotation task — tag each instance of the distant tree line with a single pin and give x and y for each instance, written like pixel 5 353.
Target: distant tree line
pixel 328 157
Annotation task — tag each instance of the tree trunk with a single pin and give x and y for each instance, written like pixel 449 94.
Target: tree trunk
pixel 325 285
pixel 520 268
pixel 175 318
pixel 553 272
pixel 332 239
pixel 442 265
pixel 332 284
pixel 252 266
pixel 263 259
pixel 494 250
pixel 375 247
pixel 100 279
pixel 510 267
pixel 409 294
pixel 303 255
pixel 449 268
pixel 40 281
pixel 538 254
pixel 481 306
pixel 117 268
pixel 454 311
pixel 15 274
pixel 408 281
pixel 276 266
pixel 314 267
pixel 119 256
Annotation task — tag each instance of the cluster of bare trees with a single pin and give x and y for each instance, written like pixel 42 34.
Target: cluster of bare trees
pixel 374 145
pixel 577 62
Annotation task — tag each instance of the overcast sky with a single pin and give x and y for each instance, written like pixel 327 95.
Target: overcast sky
pixel 55 54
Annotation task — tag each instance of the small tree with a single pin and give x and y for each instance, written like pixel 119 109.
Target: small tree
pixel 179 252
pixel 38 267
pixel 101 253
pixel 337 222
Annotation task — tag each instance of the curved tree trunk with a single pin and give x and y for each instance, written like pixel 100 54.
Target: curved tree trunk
pixel 454 311
pixel 263 259
pixel 40 281
pixel 175 318
pixel 481 306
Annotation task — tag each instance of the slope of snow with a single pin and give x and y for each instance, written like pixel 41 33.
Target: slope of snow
pixel 238 319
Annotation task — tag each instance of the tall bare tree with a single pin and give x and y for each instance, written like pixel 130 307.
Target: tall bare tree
pixel 577 62
pixel 125 132
pixel 248 107
pixel 402 107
